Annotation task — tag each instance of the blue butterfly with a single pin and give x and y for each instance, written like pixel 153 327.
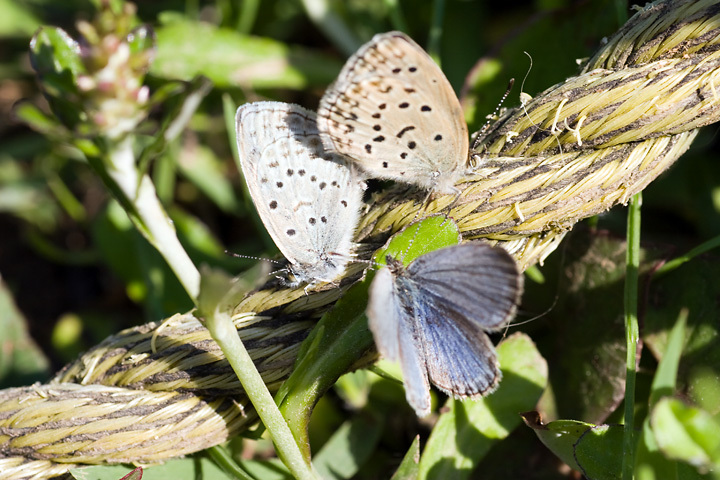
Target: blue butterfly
pixel 432 317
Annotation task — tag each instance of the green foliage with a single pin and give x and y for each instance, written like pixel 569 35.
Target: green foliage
pixel 674 436
pixel 424 236
pixel 465 433
pixel 230 59
pixel 181 469
pixel 21 361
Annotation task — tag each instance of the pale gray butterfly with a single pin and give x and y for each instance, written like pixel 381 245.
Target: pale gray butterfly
pixel 308 199
pixel 393 111
pixel 432 317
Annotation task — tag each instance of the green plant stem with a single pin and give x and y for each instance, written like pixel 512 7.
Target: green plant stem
pixel 65 197
pixel 436 30
pixel 248 14
pixel 222 458
pixel 138 197
pixel 332 25
pixel 699 250
pixel 632 332
pixel 137 194
pixel 397 19
pixel 224 333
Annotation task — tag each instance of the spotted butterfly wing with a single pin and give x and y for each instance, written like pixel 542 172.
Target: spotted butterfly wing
pixel 393 111
pixel 432 318
pixel 308 199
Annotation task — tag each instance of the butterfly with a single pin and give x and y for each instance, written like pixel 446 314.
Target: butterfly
pixel 308 199
pixel 395 114
pixel 432 317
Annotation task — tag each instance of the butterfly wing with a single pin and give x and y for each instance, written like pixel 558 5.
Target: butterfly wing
pixel 460 359
pixel 393 111
pixel 462 291
pixel 474 280
pixel 307 198
pixel 396 336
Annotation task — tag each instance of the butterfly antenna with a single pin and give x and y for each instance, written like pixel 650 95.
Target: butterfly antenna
pixel 452 204
pixel 562 252
pixel 492 117
pixel 425 205
pixel 250 257
pixel 263 259
pixel 525 99
pixel 496 112
pixel 539 315
pixel 536 317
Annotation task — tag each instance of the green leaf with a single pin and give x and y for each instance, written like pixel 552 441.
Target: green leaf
pixel 53 52
pixel 200 242
pixel 350 447
pixel 229 111
pixel 187 49
pixel 338 341
pixel 207 172
pixel 214 287
pixel 272 469
pixel 650 463
pixel 354 388
pixel 583 331
pixel 483 422
pixel 148 278
pixel 224 460
pixel 409 468
pixel 431 233
pixel 38 120
pixel 55 56
pixel 16 19
pixel 559 436
pixel 533 273
pixel 686 433
pixel 666 373
pixel 136 474
pixel 141 39
pixel 704 390
pixel 341 337
pixel 25 194
pixel 599 452
pixel 66 337
pixel 178 469
pixel 180 104
pixel 700 281
pixel 219 292
pixel 21 361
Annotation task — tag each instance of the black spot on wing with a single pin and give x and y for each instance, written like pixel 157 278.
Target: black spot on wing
pixel 404 131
